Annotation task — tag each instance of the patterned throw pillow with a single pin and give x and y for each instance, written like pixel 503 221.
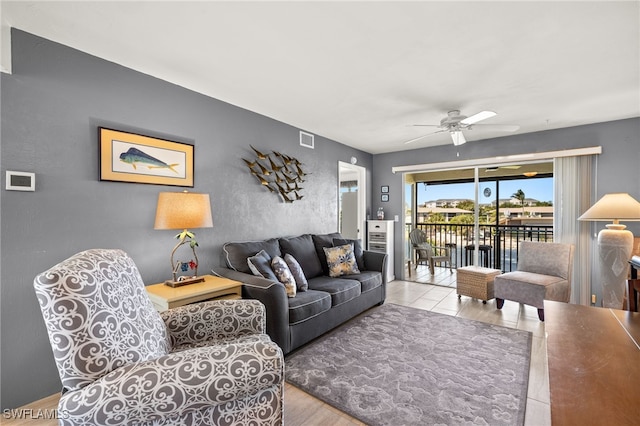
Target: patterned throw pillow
pixel 260 265
pixel 283 273
pixel 341 260
pixel 296 271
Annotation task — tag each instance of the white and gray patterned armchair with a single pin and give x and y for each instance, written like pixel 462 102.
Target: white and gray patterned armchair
pixel 121 362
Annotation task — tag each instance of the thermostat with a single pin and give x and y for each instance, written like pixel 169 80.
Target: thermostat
pixel 20 181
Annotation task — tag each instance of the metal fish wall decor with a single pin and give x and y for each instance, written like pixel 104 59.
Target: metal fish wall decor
pixel 278 173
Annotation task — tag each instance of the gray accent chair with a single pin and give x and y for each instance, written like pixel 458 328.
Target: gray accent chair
pixel 121 362
pixel 543 273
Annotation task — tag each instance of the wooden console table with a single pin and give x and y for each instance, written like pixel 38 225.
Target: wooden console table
pixel 165 297
pixel 594 364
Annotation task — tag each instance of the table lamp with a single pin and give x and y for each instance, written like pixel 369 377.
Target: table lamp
pixel 614 244
pixel 183 210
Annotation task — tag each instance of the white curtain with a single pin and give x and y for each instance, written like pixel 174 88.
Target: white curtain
pixel 573 186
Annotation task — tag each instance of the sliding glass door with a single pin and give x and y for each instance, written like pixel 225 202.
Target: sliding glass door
pixel 483 213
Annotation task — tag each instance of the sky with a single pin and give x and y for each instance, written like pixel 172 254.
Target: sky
pixel 539 189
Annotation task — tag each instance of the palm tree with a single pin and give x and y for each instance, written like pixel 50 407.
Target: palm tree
pixel 519 195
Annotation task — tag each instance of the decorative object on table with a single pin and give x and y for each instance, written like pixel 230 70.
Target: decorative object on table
pixel 279 173
pixel 449 370
pixel 614 244
pixel 129 157
pixel 380 214
pixel 183 210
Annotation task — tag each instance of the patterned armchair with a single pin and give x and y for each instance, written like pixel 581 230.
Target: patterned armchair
pixel 121 362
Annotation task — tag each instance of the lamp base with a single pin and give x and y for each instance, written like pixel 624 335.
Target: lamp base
pixel 614 246
pixel 187 281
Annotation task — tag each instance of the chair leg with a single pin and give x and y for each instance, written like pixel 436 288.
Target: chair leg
pixel 432 267
pixel 499 303
pixel 541 314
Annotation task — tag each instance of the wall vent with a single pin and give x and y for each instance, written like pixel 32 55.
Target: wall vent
pixel 306 139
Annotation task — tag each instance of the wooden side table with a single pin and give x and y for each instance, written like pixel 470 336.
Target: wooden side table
pixel 165 297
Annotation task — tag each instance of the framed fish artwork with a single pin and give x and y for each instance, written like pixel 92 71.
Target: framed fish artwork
pixel 130 157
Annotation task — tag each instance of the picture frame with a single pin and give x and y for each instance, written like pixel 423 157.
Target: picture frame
pixel 384 198
pixel 384 189
pixel 136 158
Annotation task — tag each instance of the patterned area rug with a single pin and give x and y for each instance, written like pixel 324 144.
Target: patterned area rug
pixel 395 365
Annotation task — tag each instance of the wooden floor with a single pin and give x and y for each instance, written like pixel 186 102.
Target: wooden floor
pixel 435 294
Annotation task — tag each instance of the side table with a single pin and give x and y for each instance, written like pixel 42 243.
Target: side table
pixel 476 281
pixel 165 297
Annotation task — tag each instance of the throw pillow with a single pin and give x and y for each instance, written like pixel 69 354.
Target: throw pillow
pixel 260 265
pixel 283 273
pixel 297 272
pixel 341 260
pixel 320 241
pixel 357 250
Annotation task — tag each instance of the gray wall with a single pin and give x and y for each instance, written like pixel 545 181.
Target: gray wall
pixel 51 107
pixel 618 167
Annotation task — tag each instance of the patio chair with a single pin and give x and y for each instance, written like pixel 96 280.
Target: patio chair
pixel 122 362
pixel 428 254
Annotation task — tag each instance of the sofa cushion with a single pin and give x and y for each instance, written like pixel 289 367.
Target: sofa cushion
pixel 237 253
pixel 307 305
pixel 260 265
pixel 341 260
pixel 341 290
pixel 320 241
pixel 368 279
pixel 358 252
pixel 281 269
pixel 297 272
pixel 302 249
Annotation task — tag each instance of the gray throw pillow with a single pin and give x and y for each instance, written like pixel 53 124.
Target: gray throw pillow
pixel 297 272
pixel 283 273
pixel 260 265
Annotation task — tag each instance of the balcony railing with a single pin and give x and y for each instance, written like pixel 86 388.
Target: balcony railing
pixel 499 244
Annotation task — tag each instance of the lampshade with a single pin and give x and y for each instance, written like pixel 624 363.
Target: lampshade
pixel 613 207
pixel 458 137
pixel 183 210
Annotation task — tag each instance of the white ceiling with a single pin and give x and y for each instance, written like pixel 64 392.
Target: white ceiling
pixel 362 73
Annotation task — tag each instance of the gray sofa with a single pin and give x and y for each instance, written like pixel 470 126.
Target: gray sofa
pixel 328 302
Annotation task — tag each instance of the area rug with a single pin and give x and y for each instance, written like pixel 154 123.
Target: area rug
pixel 395 365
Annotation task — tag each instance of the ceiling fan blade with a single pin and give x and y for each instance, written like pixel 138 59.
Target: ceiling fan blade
pixel 425 125
pixel 499 127
pixel 482 115
pixel 423 136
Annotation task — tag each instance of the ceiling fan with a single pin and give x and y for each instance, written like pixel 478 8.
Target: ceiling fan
pixel 454 123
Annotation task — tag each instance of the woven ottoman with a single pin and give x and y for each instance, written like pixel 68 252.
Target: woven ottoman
pixel 477 282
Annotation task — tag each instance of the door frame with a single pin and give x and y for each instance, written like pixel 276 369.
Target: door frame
pixel 360 175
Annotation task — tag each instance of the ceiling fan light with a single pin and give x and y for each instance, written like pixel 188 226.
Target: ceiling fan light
pixel 457 137
pixel 482 115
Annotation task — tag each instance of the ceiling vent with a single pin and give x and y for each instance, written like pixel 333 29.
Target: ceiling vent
pixel 306 139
